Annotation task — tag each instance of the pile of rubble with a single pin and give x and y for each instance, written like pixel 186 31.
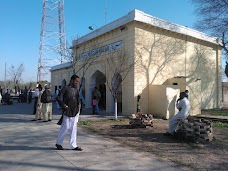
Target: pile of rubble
pixel 195 129
pixel 141 120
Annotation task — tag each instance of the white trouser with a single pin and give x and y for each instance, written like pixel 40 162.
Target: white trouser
pixel 69 125
pixel 174 120
pixel 46 111
pixel 38 114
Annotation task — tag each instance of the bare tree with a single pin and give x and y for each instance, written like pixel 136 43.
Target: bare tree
pixel 81 61
pixel 157 53
pixel 212 16
pixel 156 57
pixel 118 65
pixel 16 73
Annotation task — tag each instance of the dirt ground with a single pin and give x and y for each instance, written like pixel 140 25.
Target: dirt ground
pixel 207 156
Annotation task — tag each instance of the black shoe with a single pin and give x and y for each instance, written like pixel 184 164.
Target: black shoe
pixel 59 147
pixel 77 149
pixel 39 119
pixel 33 120
pixel 49 119
pixel 167 134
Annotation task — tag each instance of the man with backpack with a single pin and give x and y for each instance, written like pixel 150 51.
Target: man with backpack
pixel 46 101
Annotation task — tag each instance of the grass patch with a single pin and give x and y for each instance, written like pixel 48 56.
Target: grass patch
pixel 220 125
pixel 80 123
pixel 220 113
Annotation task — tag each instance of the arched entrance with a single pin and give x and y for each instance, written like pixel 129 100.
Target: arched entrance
pixel 98 80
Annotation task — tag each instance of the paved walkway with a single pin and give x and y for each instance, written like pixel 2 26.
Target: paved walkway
pixel 28 146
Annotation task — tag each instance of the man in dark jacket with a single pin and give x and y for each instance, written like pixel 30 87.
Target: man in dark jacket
pixel 46 101
pixel 71 105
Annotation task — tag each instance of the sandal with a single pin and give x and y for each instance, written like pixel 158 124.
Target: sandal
pixel 77 149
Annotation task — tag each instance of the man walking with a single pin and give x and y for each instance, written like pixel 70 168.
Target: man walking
pixel 71 105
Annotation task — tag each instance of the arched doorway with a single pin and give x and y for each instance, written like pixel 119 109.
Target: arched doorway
pixel 98 80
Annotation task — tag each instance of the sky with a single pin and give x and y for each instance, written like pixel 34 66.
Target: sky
pixel 21 25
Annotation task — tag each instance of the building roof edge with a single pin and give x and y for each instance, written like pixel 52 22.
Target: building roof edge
pixel 61 66
pixel 136 15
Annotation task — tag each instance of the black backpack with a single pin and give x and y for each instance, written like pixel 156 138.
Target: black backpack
pixel 46 97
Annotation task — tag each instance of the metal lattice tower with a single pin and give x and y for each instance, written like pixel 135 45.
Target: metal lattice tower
pixel 52 37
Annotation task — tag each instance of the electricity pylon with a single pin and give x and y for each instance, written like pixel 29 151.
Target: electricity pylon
pixel 52 37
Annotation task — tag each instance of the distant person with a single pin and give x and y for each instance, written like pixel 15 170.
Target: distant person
pixel 25 92
pixel 38 115
pixel 6 98
pixel 21 98
pixel 46 101
pixel 36 95
pixel 30 96
pixel 0 98
pixel 183 105
pixel 82 99
pixel 94 104
pixel 97 94
pixel 71 104
pixel 57 93
pixel 1 91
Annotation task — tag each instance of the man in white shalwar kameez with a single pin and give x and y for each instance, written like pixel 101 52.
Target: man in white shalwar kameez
pixel 71 105
pixel 183 105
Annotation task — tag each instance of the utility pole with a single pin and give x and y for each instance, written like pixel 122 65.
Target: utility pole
pixel 5 79
pixel 105 11
pixel 52 50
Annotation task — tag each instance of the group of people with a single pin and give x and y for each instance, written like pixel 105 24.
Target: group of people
pixel 25 96
pixel 5 98
pixel 43 103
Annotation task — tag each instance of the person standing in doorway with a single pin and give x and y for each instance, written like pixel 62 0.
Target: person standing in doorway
pixel 97 94
pixel 71 104
pixel 94 104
